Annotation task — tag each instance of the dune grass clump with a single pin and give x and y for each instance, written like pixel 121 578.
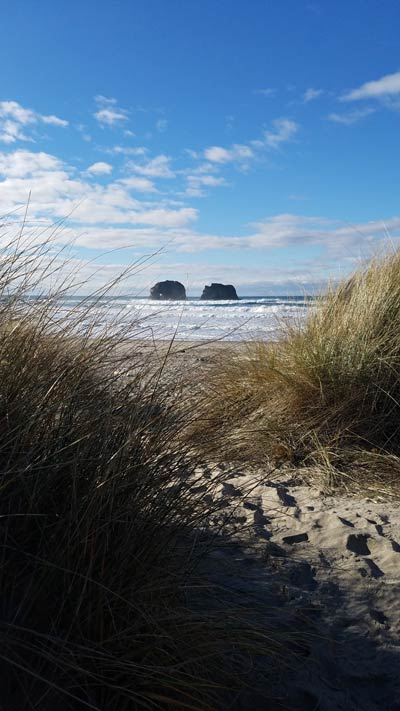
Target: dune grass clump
pixel 101 532
pixel 329 389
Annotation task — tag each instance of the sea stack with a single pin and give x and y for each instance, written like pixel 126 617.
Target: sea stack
pixel 217 292
pixel 168 291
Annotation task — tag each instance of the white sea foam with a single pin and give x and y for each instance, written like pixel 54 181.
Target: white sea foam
pixel 251 317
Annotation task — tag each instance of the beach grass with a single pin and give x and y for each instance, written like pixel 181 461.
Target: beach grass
pixel 326 393
pixel 103 528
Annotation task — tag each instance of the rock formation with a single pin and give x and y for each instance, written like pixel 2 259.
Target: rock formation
pixel 219 291
pixel 168 291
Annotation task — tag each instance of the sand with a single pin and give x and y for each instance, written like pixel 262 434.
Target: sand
pixel 337 558
pixel 179 354
pixel 328 565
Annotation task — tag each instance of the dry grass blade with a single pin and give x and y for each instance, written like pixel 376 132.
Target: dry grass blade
pixel 334 379
pixel 100 531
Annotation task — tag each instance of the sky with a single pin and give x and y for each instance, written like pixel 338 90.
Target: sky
pixel 253 142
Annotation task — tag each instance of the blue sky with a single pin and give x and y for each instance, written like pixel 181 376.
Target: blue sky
pixel 255 143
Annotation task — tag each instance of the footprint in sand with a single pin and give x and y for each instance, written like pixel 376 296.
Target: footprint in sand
pixel 374 569
pixel 286 498
pixel 297 538
pixel 346 522
pixel 357 543
pixel 230 490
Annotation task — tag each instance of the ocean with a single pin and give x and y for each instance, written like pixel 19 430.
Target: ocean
pixel 252 317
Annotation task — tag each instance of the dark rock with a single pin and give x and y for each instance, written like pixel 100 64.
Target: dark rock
pixel 168 291
pixel 217 292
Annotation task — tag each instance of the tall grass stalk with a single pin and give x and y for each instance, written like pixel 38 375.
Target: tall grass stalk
pixel 101 532
pixel 329 387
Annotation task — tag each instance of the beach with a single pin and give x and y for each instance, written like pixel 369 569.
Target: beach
pixel 200 356
pixel 202 500
pixel 328 559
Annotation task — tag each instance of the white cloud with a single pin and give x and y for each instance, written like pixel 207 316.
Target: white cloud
pixel 333 239
pixel 237 152
pixel 385 87
pixel 55 121
pixel 111 217
pixel 207 179
pixel 196 183
pixel 109 114
pixel 350 117
pixel 23 163
pixel 312 94
pixel 288 230
pixel 167 218
pixel 13 117
pixel 113 205
pixel 164 228
pixel 100 168
pixel 141 184
pixel 284 130
pixel 241 152
pixel 10 132
pixel 278 232
pixel 158 167
pixel 58 189
pixel 105 100
pixel 127 151
pixel 16 112
pixel 203 168
pixel 217 154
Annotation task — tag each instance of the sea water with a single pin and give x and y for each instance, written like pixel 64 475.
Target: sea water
pixel 252 317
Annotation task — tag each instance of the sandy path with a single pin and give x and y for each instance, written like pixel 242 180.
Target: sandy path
pixel 340 556
pixel 332 559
